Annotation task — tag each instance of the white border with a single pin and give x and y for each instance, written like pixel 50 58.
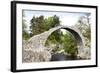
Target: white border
pixel 21 65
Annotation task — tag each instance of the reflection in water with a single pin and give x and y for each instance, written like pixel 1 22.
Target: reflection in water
pixel 62 57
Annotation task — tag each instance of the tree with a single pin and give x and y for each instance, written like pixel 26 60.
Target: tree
pixel 85 29
pixel 41 24
pixel 25 34
pixel 69 44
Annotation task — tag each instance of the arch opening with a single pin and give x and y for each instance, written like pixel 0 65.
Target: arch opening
pixel 73 39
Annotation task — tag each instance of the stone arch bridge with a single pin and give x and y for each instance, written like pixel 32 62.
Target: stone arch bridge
pixel 37 43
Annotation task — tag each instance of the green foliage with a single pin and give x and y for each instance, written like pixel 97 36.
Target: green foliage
pixel 25 34
pixel 41 24
pixel 37 25
pixel 64 42
pixel 69 44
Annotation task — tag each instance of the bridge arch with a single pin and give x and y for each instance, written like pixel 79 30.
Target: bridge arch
pixel 40 39
pixel 74 31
